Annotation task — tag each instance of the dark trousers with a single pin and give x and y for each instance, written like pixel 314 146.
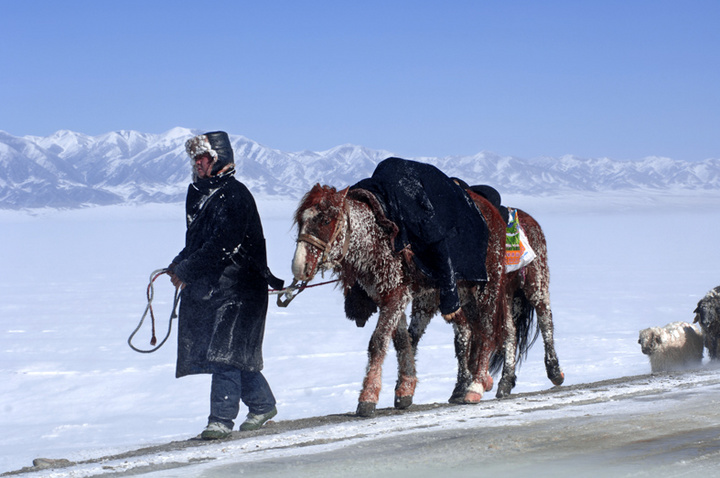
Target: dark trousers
pixel 230 386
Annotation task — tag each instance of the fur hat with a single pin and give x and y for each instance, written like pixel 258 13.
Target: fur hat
pixel 217 145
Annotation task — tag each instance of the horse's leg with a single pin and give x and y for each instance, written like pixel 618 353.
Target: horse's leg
pixel 482 349
pixel 424 307
pixel 481 353
pixel 509 377
pixel 541 301
pixel 487 320
pixel 391 310
pixel 537 290
pixel 407 376
pixel 377 350
pixel 462 341
pixel 473 345
pixel 552 364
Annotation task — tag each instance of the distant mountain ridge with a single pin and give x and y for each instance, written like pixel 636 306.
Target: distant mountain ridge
pixel 69 170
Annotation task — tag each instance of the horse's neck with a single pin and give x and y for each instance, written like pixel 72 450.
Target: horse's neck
pixel 371 254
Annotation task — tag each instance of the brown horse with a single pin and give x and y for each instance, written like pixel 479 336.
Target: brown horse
pixel 347 233
pixel 527 292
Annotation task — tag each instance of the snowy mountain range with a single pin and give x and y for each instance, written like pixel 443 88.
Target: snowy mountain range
pixel 69 169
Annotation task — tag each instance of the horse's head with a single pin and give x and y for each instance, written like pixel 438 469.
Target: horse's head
pixel 320 219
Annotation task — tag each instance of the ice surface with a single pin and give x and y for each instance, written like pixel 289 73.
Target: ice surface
pixel 73 288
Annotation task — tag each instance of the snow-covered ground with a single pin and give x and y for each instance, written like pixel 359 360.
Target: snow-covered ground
pixel 73 283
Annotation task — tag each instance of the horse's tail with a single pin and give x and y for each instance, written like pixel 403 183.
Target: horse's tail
pixel 526 327
pixel 497 361
pixel 526 331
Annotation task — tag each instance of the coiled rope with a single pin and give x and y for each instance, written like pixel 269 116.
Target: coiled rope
pixel 285 296
pixel 150 295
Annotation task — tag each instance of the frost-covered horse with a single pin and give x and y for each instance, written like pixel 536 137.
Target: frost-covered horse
pixel 346 232
pixel 527 292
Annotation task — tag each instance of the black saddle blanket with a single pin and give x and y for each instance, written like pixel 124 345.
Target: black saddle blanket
pixel 444 228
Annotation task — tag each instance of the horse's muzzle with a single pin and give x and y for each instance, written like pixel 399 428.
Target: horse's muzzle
pixel 302 270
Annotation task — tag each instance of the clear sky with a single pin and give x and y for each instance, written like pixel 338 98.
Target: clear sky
pixel 622 79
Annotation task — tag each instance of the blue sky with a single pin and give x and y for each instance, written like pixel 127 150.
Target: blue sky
pixel 619 79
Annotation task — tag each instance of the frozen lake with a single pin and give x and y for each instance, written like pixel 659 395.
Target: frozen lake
pixel 73 288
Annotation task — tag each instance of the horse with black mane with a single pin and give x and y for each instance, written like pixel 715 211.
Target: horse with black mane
pixel 348 233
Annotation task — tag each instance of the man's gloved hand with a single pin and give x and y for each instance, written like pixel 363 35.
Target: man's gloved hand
pixel 174 278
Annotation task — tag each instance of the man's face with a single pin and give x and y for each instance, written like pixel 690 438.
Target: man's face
pixel 203 165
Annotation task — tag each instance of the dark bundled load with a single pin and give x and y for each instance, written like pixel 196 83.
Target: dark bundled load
pixel 437 219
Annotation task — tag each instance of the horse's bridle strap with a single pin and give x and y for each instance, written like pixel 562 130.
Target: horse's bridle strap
pixel 313 241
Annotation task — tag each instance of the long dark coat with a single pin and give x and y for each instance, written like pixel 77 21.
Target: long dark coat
pixel 224 264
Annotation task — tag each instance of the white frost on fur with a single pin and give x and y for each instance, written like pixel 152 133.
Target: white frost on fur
pixel 198 145
pixel 307 215
pixel 677 346
pixel 370 253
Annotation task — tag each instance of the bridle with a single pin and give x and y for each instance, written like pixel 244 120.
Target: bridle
pixel 325 247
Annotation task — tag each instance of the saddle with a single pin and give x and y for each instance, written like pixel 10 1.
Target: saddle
pixel 492 195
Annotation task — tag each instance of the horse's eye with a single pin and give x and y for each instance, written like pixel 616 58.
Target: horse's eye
pixel 326 222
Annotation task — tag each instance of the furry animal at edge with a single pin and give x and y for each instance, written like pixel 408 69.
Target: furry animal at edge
pixel 676 346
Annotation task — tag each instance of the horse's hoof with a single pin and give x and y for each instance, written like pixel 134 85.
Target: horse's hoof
pixel 488 384
pixel 503 390
pixel 366 409
pixel 554 372
pixel 401 403
pixel 472 398
pixel 505 386
pixel 457 399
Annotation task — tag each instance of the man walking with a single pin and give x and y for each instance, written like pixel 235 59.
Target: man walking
pixel 224 277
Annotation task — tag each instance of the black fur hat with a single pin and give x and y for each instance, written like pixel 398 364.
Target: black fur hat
pixel 217 145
